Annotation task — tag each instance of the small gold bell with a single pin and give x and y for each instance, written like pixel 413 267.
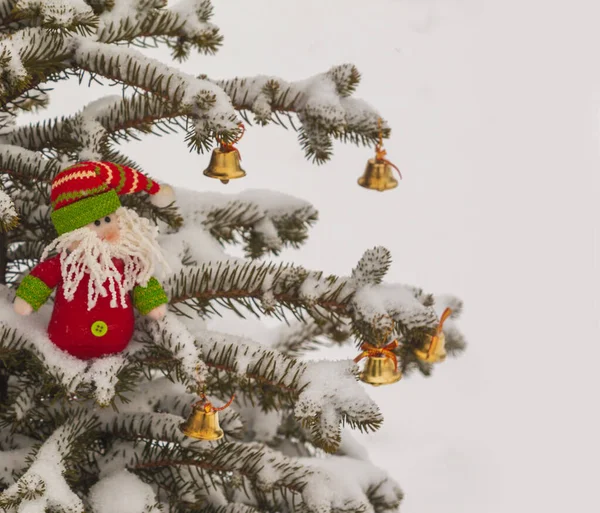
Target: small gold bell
pixel 224 162
pixel 434 354
pixel 380 370
pixel 378 176
pixel 382 364
pixel 224 165
pixel 203 422
pixel 434 347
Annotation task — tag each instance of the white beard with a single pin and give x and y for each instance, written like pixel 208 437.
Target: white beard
pixel 83 252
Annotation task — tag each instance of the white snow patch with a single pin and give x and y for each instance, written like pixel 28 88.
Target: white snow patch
pixel 173 335
pixel 332 392
pixel 7 208
pixel 375 302
pixel 45 478
pixel 103 372
pixel 60 12
pixel 123 492
pixel 341 483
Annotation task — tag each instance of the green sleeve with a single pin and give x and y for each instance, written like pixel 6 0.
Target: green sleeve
pixel 149 297
pixel 34 291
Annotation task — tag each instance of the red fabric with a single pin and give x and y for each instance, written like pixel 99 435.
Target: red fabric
pixel 71 322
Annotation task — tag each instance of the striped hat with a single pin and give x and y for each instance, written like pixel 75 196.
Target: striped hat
pixel 90 190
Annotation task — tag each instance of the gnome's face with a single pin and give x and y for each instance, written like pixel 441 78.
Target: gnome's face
pixel 107 228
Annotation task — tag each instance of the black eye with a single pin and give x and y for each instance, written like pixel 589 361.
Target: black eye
pixel 107 219
pixel 97 222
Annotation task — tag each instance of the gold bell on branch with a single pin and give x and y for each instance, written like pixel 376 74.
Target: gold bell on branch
pixel 203 422
pixel 224 166
pixel 380 370
pixel 382 364
pixel 379 174
pixel 224 162
pixel 434 347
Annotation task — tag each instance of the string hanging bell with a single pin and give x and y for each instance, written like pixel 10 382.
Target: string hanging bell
pixel 381 367
pixel 225 160
pixel 379 174
pixel 203 422
pixel 433 349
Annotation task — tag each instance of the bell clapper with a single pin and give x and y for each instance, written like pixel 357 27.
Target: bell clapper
pixel 433 350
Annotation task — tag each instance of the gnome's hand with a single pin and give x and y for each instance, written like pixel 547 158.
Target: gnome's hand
pixel 157 313
pixel 22 307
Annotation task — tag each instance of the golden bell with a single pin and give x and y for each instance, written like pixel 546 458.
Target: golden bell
pixel 379 370
pixel 202 424
pixel 224 165
pixel 433 354
pixel 378 176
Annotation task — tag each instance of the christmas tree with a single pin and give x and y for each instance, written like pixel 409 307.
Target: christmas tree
pixel 85 427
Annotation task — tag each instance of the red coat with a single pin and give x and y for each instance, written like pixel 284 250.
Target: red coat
pixel 87 334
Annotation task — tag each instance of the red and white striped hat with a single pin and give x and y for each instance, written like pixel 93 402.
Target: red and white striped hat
pixel 90 190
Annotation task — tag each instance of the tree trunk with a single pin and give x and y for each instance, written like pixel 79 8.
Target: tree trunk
pixel 3 370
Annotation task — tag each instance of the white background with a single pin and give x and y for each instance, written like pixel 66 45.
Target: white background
pixel 494 108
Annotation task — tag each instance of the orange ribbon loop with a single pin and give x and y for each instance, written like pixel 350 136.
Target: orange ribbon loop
pixel 380 157
pixel 380 153
pixel 207 405
pixel 369 350
pixel 438 331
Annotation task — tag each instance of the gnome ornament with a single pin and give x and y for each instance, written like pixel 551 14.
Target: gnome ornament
pixel 105 262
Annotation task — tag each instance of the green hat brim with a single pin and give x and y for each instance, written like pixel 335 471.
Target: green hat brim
pixel 85 211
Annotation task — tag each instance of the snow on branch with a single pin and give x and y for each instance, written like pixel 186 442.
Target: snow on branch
pixel 264 221
pixel 121 117
pixel 182 26
pixel 324 394
pixel 170 337
pixel 88 132
pixel 268 479
pixel 29 57
pixel 372 266
pixel 8 215
pixel 322 103
pixel 266 287
pixel 44 485
pixel 331 396
pixel 24 164
pixel 108 495
pixel 295 289
pixel 14 453
pixel 207 105
pixel 340 483
pixel 203 472
pixel 70 15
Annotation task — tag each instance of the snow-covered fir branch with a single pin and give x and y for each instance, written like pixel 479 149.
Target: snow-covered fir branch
pixel 322 103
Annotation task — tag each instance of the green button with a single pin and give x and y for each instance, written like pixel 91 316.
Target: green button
pixel 99 328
